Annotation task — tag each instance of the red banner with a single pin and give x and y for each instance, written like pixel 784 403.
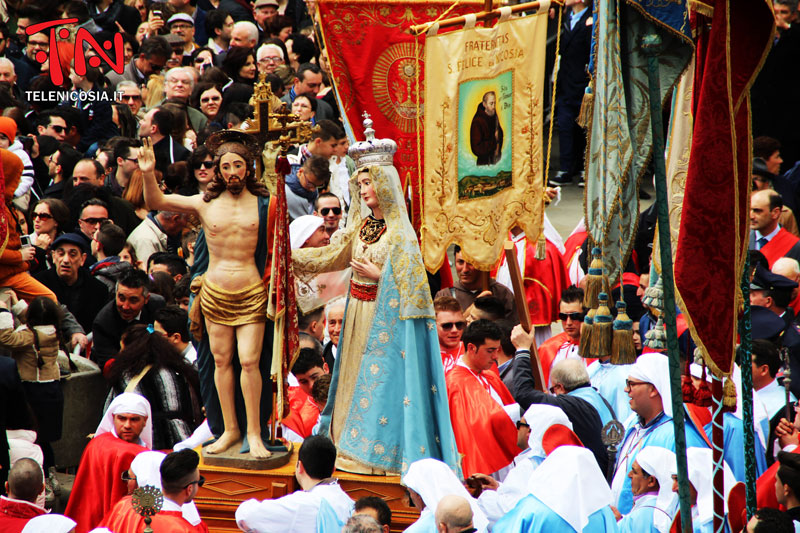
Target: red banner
pixel 282 300
pixel 377 67
pixel 731 46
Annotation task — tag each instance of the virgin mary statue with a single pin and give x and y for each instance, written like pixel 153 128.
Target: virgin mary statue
pixel 387 405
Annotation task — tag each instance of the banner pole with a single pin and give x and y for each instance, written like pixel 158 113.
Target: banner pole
pixel 652 46
pixel 745 333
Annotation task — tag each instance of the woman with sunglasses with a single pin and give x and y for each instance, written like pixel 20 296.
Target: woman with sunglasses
pixel 50 216
pixel 203 58
pixel 201 165
pixel 151 366
pixel 207 97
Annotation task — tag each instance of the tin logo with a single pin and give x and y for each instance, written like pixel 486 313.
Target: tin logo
pixel 82 36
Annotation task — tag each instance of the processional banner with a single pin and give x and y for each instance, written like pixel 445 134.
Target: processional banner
pixel 679 146
pixel 620 136
pixel 732 42
pixel 483 142
pixel 374 62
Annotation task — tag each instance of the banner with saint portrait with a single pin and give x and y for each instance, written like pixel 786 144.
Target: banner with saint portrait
pixel 483 137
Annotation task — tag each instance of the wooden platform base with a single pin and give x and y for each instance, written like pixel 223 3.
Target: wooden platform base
pixel 231 458
pixel 225 488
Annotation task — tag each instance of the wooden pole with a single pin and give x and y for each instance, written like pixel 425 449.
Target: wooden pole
pixel 522 310
pixel 486 15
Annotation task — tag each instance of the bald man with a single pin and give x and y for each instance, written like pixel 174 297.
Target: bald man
pixel 25 483
pixel 453 514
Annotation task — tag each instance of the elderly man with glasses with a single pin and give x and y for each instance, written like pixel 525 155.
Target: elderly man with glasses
pixel 269 57
pixel 130 94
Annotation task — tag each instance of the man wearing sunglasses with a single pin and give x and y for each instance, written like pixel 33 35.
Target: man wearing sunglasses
pixel 131 95
pixel 565 344
pixel 52 123
pixel 328 207
pixel 450 325
pixel 153 55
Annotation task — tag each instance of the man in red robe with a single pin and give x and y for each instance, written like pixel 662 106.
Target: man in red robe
pixel 544 281
pixel 25 484
pixel 304 412
pixel 126 430
pixel 482 411
pixel 450 325
pixel 565 344
pixel 767 236
pixel 180 481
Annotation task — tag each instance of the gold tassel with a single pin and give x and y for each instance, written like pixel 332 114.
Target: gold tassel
pixel 602 328
pixel 586 334
pixel 541 248
pixel 623 349
pixel 587 105
pixel 594 279
pixel 729 395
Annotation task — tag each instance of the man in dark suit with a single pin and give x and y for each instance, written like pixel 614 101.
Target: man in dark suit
pixel 576 38
pixel 158 124
pixel 133 304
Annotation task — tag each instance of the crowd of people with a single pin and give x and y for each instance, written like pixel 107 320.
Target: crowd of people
pixel 108 233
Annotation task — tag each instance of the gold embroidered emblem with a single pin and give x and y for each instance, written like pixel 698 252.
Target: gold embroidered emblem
pixel 383 421
pixel 434 389
pixel 394 85
pixel 406 401
pixel 364 403
pixel 374 369
pixel 354 433
pixel 383 337
pixel 422 449
pixel 393 303
pixel 379 449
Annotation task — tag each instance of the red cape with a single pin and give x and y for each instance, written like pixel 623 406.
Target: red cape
pixel 548 351
pixel 572 245
pixel 544 281
pixel 98 485
pixel 485 435
pixel 779 246
pixel 450 357
pixel 14 514
pixel 123 519
pixel 303 414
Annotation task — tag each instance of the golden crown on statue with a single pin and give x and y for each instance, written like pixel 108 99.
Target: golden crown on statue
pixel 372 151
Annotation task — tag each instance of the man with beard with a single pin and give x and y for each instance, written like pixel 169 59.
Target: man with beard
pixel 231 295
pixel 485 133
